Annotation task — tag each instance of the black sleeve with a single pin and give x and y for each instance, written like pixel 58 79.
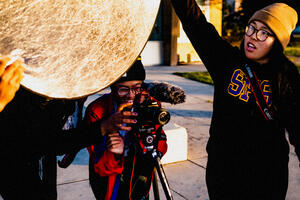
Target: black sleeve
pixel 211 48
pixel 64 141
pixel 31 131
pixel 40 141
pixel 292 108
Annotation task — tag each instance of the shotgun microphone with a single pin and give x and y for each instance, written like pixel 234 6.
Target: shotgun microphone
pixel 165 92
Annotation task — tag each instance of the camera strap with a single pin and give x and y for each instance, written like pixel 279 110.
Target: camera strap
pixel 261 101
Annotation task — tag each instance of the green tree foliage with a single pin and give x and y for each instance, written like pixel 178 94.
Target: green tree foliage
pixel 233 24
pixel 200 2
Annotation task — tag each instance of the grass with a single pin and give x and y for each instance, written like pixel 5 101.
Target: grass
pixel 202 77
pixel 292 51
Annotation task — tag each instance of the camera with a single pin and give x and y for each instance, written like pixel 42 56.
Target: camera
pixel 150 112
pixel 150 117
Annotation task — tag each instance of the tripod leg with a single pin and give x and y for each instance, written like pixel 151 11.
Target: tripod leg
pixel 155 187
pixel 163 178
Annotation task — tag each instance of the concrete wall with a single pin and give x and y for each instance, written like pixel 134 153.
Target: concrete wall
pixel 213 13
pixel 153 53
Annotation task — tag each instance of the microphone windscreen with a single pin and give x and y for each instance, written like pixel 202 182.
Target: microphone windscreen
pixel 165 92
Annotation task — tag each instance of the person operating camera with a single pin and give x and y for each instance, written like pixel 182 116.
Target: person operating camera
pixel 117 168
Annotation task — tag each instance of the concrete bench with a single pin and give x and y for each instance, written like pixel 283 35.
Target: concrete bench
pixel 177 143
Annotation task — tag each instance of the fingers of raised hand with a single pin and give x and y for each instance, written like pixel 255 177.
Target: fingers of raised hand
pixel 3 61
pixel 13 74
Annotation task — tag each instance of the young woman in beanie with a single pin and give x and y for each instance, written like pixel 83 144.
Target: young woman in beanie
pixel 118 170
pixel 256 99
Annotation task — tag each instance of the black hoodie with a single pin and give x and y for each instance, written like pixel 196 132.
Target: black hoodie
pixel 238 125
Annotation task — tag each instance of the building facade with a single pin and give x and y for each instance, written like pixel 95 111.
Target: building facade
pixel 168 44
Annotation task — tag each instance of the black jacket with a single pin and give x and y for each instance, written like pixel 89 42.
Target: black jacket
pixel 32 128
pixel 247 155
pixel 238 126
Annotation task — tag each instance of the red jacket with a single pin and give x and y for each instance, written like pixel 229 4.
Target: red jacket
pixel 104 162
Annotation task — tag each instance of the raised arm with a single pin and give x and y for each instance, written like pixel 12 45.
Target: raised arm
pixel 211 48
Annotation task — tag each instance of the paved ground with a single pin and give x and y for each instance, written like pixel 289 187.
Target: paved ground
pixel 186 178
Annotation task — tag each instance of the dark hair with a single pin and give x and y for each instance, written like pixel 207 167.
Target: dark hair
pixel 283 85
pixel 276 53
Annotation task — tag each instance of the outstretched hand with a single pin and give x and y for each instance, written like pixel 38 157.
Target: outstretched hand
pixel 10 78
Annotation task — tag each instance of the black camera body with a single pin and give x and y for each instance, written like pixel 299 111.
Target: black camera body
pixel 150 117
pixel 150 112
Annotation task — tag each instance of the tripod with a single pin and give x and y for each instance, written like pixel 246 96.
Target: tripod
pixel 149 142
pixel 163 179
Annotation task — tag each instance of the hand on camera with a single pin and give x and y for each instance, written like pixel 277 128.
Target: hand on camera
pixel 115 143
pixel 119 121
pixel 10 78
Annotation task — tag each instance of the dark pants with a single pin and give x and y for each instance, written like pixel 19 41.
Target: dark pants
pixel 243 177
pixel 49 176
pixel 97 183
pixel 19 182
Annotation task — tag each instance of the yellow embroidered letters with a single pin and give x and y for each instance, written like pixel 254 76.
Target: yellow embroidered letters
pixel 240 87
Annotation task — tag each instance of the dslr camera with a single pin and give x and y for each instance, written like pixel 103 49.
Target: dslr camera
pixel 150 117
pixel 149 110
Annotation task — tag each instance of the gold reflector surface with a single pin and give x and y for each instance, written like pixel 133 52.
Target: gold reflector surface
pixel 74 48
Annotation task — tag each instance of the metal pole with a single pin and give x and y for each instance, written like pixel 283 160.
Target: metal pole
pixel 162 177
pixel 155 187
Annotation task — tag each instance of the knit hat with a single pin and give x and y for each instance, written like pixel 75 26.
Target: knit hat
pixel 280 18
pixel 135 72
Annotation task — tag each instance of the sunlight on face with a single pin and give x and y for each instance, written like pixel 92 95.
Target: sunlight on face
pixel 126 91
pixel 255 49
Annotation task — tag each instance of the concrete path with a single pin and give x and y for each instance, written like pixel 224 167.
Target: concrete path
pixel 186 178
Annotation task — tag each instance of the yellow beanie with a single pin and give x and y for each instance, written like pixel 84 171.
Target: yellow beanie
pixel 280 18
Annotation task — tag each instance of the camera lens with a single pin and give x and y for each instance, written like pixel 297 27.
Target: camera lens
pixel 164 116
